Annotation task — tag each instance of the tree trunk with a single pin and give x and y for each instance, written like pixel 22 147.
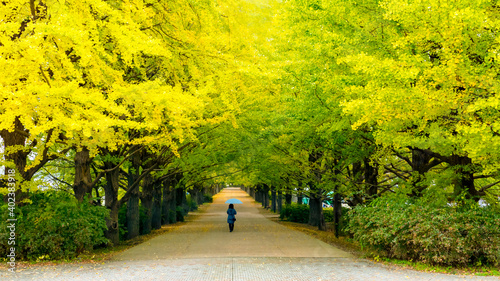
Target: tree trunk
pixel 97 199
pixel 156 216
pixel 300 194
pixel 111 202
pixel 147 204
pixel 273 199
pixel 280 201
pixel 260 193
pixel 464 181
pixel 199 198
pixel 359 194
pixel 371 181
pixel 181 201
pixel 421 162
pixel 165 207
pixel 185 204
pixel 113 233
pixel 83 178
pixel 316 217
pixel 133 217
pixel 288 198
pixel 13 143
pixel 173 204
pixel 337 213
pixel 266 194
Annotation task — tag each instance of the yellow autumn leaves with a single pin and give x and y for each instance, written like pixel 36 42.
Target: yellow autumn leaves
pixel 88 73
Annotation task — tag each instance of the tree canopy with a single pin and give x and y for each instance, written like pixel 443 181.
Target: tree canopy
pixel 126 99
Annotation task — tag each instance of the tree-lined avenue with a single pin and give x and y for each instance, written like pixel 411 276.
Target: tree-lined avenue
pixel 207 235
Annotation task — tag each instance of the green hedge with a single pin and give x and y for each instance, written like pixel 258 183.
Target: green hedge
pixel 179 214
pixel 420 231
pixel 295 213
pixel 192 205
pixel 54 226
pixel 207 198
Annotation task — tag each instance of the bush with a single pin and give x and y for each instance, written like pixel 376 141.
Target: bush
pixel 172 216
pixel 207 198
pixel 295 213
pixel 55 226
pixel 122 222
pixel 431 234
pixel 328 214
pixel 344 219
pixel 191 202
pixel 179 213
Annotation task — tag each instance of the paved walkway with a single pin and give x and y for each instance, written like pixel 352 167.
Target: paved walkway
pixel 253 236
pixel 204 249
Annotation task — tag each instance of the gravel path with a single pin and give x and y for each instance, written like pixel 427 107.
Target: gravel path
pixel 204 249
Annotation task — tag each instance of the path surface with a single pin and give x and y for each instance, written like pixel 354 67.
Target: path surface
pixel 253 236
pixel 204 249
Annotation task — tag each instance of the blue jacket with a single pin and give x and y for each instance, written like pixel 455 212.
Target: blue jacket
pixel 230 215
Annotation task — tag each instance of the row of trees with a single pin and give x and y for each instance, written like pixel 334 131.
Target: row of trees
pixel 123 102
pixel 381 97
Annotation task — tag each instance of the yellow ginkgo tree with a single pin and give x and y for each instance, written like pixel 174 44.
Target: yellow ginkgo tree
pixel 435 89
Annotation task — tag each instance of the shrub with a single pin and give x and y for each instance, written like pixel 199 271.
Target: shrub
pixel 432 234
pixel 191 202
pixel 344 218
pixel 328 214
pixel 295 213
pixel 55 226
pixel 179 214
pixel 122 222
pixel 172 216
pixel 207 198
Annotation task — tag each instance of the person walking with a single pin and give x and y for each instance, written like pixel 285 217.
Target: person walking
pixel 231 212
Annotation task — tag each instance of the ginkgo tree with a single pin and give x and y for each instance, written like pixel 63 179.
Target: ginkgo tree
pixel 110 79
pixel 434 90
pixel 413 78
pixel 63 78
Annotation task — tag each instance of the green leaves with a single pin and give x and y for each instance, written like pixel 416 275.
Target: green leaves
pixel 417 230
pixel 57 226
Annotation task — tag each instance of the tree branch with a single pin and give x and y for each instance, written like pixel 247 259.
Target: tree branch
pixel 57 179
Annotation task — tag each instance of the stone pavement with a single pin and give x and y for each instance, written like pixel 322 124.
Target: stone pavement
pixel 237 269
pixel 204 249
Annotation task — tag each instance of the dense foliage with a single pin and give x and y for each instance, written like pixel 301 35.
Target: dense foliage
pixel 422 231
pixel 300 213
pixel 384 97
pixel 55 226
pixel 295 213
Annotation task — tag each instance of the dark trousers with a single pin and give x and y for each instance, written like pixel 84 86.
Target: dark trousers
pixel 231 227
